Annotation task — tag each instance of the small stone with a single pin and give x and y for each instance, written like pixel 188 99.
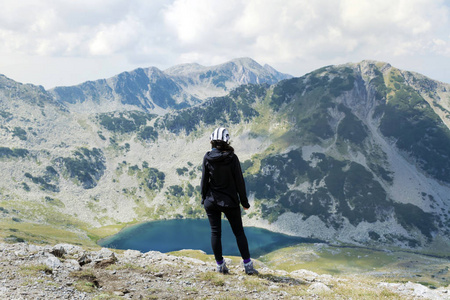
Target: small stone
pixel 305 275
pixel 102 263
pixel 52 262
pixel 20 253
pixel 58 251
pixel 132 254
pixel 84 259
pixel 318 287
pixel 104 253
pixel 69 249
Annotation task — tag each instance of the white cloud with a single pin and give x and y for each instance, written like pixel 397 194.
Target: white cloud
pixel 114 38
pixel 294 36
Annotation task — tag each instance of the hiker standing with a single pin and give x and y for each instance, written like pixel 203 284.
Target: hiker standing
pixel 223 190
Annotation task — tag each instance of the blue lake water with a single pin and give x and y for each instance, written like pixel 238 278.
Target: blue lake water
pixel 174 235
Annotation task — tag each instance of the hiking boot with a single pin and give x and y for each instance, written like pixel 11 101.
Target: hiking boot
pixel 222 268
pixel 249 270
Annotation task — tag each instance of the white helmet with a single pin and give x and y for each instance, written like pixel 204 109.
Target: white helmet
pixel 220 134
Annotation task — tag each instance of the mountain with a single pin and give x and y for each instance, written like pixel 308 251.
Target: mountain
pixel 354 153
pixel 156 91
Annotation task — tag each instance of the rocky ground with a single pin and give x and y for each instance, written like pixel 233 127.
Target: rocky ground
pixel 70 272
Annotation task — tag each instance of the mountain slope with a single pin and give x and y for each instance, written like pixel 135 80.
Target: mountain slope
pixel 355 153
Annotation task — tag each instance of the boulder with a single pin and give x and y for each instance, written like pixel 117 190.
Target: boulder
pixel 52 262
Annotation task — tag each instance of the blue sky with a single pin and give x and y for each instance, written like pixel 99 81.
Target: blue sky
pixel 57 42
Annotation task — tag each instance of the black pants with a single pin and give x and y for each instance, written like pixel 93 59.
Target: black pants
pixel 233 215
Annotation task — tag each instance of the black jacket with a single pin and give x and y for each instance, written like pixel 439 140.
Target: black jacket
pixel 222 180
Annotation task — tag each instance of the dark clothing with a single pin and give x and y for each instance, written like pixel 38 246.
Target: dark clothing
pixel 223 189
pixel 233 215
pixel 222 180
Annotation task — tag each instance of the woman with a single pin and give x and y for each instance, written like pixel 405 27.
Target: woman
pixel 223 189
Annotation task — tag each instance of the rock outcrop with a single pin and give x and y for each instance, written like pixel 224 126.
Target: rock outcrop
pixel 67 271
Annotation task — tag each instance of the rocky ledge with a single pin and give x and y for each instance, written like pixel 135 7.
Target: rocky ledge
pixel 70 272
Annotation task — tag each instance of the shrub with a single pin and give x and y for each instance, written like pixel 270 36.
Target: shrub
pixel 15 152
pixel 20 133
pixel 419 131
pixel 148 133
pixel 182 171
pixel 154 179
pixel 43 182
pixel 87 166
pixel 176 190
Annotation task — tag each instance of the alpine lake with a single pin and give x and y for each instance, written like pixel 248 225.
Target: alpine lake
pixel 284 252
pixel 173 235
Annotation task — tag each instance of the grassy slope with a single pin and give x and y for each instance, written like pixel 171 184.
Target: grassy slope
pixel 368 265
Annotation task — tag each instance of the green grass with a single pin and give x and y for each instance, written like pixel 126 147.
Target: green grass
pixel 43 234
pixel 393 265
pixel 212 277
pixel 31 270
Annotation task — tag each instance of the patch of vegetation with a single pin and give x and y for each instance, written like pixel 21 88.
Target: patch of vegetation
pixel 53 201
pixel 246 165
pixel 60 230
pixel 360 196
pixel 35 269
pixel 86 280
pixel 410 216
pixel 51 173
pixel 410 120
pixel 154 179
pixel 214 278
pixel 338 85
pixel 86 166
pixel 318 125
pixel 351 128
pixel 14 152
pixel 25 186
pixel 390 266
pixel 231 109
pixel 316 204
pixel 100 135
pixel 182 171
pixel 124 122
pixel 175 190
pixel 13 239
pixel 194 211
pixel 5 114
pixel 284 91
pixel 43 182
pixel 276 173
pixel 310 99
pixel 148 133
pixel 378 82
pixel 20 133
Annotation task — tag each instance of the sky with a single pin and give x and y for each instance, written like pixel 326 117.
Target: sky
pixel 63 42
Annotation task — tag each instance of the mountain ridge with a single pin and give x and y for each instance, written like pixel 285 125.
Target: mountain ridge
pixel 354 153
pixel 153 90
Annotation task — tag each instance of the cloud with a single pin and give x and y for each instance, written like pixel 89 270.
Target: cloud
pixel 312 30
pixel 294 36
